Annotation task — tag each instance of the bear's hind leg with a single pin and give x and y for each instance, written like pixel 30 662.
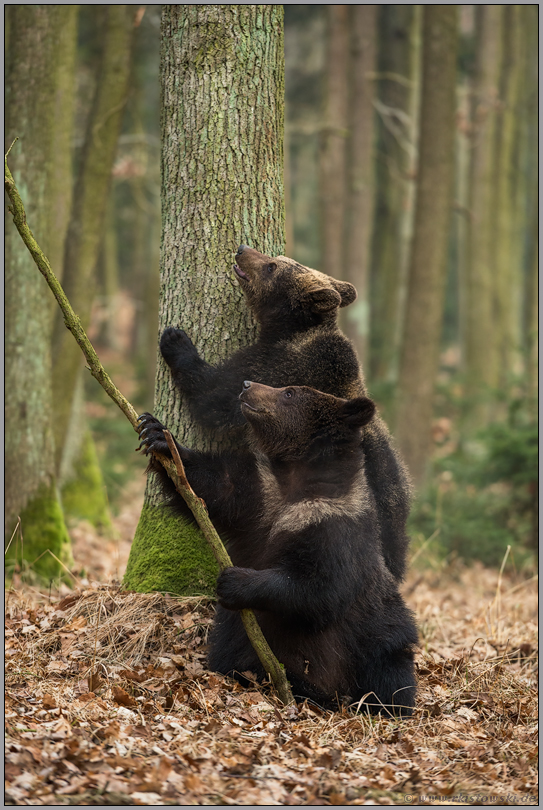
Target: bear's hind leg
pixel 390 684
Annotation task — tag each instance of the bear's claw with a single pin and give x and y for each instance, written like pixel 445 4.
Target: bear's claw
pixel 151 433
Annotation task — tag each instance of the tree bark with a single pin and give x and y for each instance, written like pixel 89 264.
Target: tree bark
pixel 422 333
pixel 480 355
pixel 529 114
pixel 363 24
pixel 222 185
pixel 39 97
pixel 396 97
pixel 333 144
pixel 305 36
pixel 84 237
pixel 510 206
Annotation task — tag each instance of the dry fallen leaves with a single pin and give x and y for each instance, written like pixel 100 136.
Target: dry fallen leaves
pixel 109 702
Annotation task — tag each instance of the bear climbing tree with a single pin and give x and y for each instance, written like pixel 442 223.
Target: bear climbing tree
pixel 298 343
pixel 222 182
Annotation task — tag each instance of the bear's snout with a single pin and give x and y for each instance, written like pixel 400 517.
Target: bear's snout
pixel 257 396
pixel 240 250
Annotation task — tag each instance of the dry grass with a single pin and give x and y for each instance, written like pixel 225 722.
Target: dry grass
pixel 109 702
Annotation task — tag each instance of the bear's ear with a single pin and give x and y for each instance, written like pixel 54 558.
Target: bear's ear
pixel 322 299
pixel 357 412
pixel 346 291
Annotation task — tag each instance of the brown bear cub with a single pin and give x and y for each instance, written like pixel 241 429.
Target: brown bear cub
pixel 299 343
pixel 304 536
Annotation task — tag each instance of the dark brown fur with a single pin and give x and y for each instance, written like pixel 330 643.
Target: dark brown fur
pixel 299 343
pixel 302 531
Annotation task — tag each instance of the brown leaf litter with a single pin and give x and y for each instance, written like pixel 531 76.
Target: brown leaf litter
pixel 109 702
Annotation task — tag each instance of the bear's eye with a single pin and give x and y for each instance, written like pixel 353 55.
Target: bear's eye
pixel 271 267
pixel 289 394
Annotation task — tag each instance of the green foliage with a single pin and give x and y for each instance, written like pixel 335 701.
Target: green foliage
pixel 512 450
pixel 483 496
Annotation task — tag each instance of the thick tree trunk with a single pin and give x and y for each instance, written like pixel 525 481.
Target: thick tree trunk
pixel 397 106
pixel 481 359
pixel 333 144
pixel 422 333
pixel 85 235
pixel 363 24
pixel 222 185
pixel 39 104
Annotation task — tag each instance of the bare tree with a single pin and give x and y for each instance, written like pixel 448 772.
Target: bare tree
pixel 84 236
pixel 396 99
pixel 363 26
pixel 39 96
pixel 426 282
pixel 333 143
pixel 479 344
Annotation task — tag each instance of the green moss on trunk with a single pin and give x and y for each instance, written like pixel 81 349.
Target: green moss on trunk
pixel 42 530
pixel 84 497
pixel 169 554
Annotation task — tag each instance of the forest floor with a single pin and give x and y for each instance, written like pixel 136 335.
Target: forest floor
pixel 109 702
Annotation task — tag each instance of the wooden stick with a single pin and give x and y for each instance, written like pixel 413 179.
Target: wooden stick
pixel 271 665
pixel 175 468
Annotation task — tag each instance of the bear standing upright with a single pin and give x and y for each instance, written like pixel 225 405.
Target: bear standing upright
pixel 299 343
pixel 303 534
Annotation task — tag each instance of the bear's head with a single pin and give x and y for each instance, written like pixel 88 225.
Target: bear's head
pixel 299 421
pixel 281 291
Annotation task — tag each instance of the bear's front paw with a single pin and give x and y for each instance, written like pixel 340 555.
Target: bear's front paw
pixel 151 433
pixel 231 587
pixel 176 346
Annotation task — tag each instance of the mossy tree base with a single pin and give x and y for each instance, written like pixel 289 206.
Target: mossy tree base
pixel 170 555
pixel 42 531
pixel 84 497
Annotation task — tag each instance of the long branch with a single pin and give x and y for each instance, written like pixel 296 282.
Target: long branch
pixel 174 468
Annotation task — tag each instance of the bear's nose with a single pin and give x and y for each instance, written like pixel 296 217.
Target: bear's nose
pixel 246 384
pixel 240 250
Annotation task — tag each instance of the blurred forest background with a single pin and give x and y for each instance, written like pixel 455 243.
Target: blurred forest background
pixel 458 390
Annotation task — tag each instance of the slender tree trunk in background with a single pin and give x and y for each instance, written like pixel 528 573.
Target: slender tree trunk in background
pixel 305 47
pixel 461 196
pixel 85 236
pixel 532 328
pixel 481 358
pixel 407 211
pixel 83 489
pixel 510 205
pixel 333 144
pixel 363 24
pixel 423 324
pixel 39 104
pixel 530 118
pixel 395 153
pixel 222 184
pixel 108 272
